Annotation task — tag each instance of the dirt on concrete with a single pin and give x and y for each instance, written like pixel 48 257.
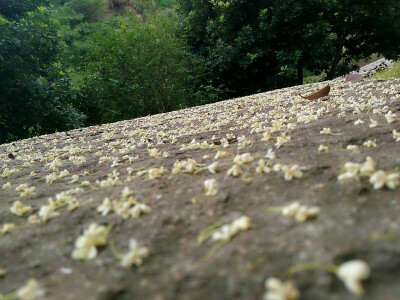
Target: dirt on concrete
pixel 356 219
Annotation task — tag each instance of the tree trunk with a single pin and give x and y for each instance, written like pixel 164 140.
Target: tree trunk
pixel 300 73
pixel 333 68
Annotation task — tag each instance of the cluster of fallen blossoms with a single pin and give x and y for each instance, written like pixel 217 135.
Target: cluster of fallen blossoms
pixel 85 244
pixel 378 178
pixel 112 147
pixel 351 273
pixel 126 206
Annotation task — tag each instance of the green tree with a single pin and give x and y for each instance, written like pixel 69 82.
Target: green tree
pixel 14 9
pixel 258 45
pixel 139 69
pixel 36 96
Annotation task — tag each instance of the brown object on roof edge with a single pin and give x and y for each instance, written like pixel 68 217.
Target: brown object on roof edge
pixel 321 93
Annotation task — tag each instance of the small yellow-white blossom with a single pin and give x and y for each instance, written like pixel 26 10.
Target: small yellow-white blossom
pixel 85 245
pixel 134 256
pixel 281 140
pixel 186 166
pixel 7 185
pixel 139 209
pixel 47 212
pixel 277 167
pixel 234 171
pixel 369 144
pixel 390 117
pixel 266 137
pixel 359 121
pixel 28 191
pixel 77 159
pixel 300 212
pixel 19 209
pixel 30 291
pixel 50 178
pixel 224 142
pixel 292 171
pixel 110 182
pixel 304 212
pixel 212 168
pixel 210 187
pixel 352 273
pixel 323 148
pixel 105 207
pixel 156 172
pixel 262 167
pixel 290 210
pixel 86 183
pixel 53 166
pixel 350 171
pixel 122 208
pixel 21 187
pixel 74 178
pixel 325 131
pixel 6 173
pixel 221 154
pixel 270 154
pixel 6 228
pixel 227 231
pixel 153 152
pixel 368 166
pixel 243 158
pixel 278 290
pixel 380 178
pixel 373 123
pixel 34 219
pixel 396 135
pixel 63 174
pixel 352 147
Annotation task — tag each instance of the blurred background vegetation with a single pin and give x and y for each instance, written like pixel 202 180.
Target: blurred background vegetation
pixel 70 63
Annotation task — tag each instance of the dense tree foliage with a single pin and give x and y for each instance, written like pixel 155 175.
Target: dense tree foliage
pixel 17 8
pixel 138 69
pixel 36 96
pixel 69 63
pixel 259 45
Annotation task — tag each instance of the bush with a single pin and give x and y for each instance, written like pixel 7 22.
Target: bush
pixel 140 69
pixel 36 96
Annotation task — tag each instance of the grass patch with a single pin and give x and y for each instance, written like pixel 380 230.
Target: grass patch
pixel 393 72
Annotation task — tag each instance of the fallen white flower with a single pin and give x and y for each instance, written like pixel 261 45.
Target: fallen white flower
pixel 210 187
pixel 373 123
pixel 292 171
pixel 369 144
pixel 30 291
pixel 134 256
pixel 325 131
pixel 234 171
pixel 352 147
pixel 139 209
pixel 85 244
pixel 212 168
pixel 359 121
pixel 323 148
pixel 47 212
pixel 19 209
pixel 262 167
pixel 380 178
pixel 352 273
pixel 396 135
pixel 278 290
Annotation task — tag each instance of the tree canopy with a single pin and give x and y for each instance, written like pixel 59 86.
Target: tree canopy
pixel 36 95
pixel 258 45
pixel 71 63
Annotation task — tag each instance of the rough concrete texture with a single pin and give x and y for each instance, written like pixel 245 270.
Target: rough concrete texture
pixel 358 216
